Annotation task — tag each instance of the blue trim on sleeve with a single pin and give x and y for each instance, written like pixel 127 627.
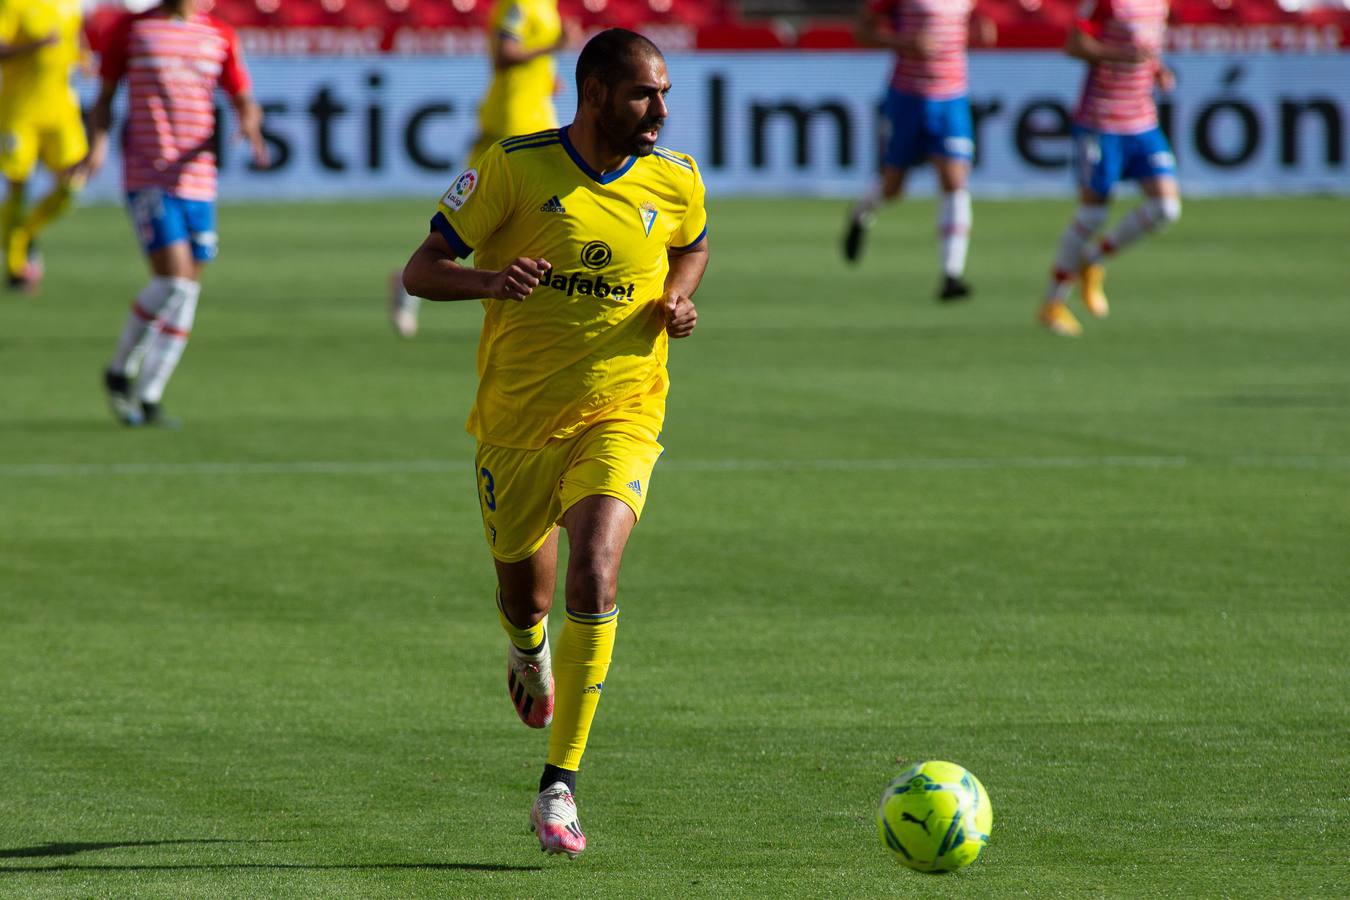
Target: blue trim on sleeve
pixel 585 167
pixel 701 235
pixel 548 142
pixel 532 136
pixel 441 224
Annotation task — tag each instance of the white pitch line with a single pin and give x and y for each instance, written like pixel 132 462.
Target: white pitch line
pixel 895 464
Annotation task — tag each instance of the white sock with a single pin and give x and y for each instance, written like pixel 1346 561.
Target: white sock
pixel 409 304
pixel 1154 214
pixel 954 220
pixel 868 203
pixel 170 340
pixel 1087 220
pixel 147 307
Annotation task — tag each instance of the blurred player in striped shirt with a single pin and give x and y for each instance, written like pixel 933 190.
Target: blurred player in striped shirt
pixel 929 118
pixel 1116 136
pixel 173 58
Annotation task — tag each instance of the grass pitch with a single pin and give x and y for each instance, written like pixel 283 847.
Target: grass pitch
pixel 257 656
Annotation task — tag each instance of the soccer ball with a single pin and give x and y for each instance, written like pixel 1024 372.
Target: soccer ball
pixel 935 817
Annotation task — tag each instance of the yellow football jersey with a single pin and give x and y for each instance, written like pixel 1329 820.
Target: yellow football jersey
pixel 520 98
pixel 35 87
pixel 589 344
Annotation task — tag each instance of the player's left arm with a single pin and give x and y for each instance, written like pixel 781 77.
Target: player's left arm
pixel 686 273
pixel 250 127
pixel 23 48
pixel 1164 77
pixel 235 81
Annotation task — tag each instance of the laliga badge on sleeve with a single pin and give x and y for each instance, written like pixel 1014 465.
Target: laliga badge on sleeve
pixel 461 189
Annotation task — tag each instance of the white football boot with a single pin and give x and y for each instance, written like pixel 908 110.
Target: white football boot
pixel 529 681
pixel 554 821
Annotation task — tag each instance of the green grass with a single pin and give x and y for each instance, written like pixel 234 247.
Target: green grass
pixel 1109 576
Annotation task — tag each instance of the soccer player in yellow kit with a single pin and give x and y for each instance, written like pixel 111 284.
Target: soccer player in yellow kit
pixel 523 35
pixel 590 241
pixel 39 120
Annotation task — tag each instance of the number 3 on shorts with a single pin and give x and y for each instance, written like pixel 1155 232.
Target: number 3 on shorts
pixel 489 498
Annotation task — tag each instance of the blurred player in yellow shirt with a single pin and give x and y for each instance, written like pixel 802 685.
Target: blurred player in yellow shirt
pixel 523 35
pixel 39 121
pixel 588 243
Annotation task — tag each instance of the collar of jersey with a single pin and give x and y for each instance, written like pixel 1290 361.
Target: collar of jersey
pixel 585 167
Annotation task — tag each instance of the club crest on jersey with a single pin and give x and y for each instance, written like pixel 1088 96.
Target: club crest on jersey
pixel 647 212
pixel 461 190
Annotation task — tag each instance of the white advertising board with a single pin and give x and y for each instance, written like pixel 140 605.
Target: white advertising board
pixel 792 122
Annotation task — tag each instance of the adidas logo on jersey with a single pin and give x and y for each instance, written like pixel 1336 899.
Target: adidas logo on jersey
pixel 635 487
pixel 553 205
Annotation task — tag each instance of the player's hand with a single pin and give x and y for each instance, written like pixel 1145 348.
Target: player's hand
pixel 1166 78
pixel 250 129
pixel 1137 53
pixel 681 316
pixel 917 46
pixel 88 167
pixel 518 280
pixel 262 157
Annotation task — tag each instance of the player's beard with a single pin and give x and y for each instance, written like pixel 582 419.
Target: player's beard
pixel 629 140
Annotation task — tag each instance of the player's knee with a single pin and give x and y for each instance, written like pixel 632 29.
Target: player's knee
pixel 1166 210
pixel 525 608
pixel 592 585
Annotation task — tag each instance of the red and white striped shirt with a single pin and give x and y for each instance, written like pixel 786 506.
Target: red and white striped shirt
pixel 945 27
pixel 1118 96
pixel 172 67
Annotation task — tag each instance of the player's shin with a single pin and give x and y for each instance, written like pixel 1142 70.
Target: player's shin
pixel 15 243
pixel 954 221
pixel 1154 214
pixel 170 339
pixel 149 304
pixel 529 639
pixel 581 661
pixel 1069 255
pixel 868 204
pixel 50 208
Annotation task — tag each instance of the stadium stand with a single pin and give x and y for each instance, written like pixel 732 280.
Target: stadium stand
pixel 755 24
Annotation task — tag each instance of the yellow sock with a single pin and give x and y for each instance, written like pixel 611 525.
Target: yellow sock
pixel 522 638
pixel 49 208
pixel 580 662
pixel 15 243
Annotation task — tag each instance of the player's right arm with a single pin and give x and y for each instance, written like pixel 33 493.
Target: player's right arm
pixel 433 273
pixel 873 28
pixel 479 201
pixel 112 66
pixel 100 120
pixel 1085 37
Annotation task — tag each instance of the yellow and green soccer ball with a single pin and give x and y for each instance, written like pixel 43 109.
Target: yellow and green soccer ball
pixel 935 817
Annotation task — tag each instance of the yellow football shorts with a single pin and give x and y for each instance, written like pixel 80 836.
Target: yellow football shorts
pixel 59 144
pixel 523 494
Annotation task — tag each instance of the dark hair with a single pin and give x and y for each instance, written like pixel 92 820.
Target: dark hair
pixel 609 56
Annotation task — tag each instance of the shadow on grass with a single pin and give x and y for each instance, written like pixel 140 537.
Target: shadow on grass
pixel 280 867
pixel 70 848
